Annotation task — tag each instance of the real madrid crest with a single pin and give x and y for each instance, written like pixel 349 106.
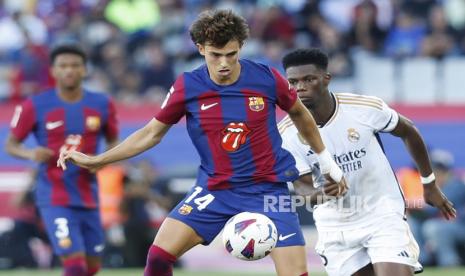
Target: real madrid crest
pixel 93 123
pixel 353 135
pixel 256 103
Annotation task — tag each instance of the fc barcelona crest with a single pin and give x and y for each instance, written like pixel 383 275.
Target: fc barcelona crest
pixel 93 123
pixel 256 103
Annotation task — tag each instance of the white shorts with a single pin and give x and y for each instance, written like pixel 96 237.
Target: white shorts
pixel 388 240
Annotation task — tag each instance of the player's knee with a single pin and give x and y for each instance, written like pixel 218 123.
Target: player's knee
pixel 159 262
pixel 74 266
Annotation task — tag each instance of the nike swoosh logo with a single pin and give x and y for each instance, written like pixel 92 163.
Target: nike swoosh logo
pixel 282 238
pixel 205 107
pixel 99 248
pixel 53 125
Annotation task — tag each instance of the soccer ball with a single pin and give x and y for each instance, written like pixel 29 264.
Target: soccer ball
pixel 249 236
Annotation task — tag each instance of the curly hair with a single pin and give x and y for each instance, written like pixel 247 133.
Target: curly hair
pixel 67 48
pixel 219 27
pixel 306 56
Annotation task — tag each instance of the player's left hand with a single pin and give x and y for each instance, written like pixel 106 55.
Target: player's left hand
pixel 434 197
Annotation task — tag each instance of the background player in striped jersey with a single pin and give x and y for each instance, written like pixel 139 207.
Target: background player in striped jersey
pixel 67 117
pixel 364 231
pixel 229 104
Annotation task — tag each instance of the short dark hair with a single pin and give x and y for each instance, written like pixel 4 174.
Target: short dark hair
pixel 68 48
pixel 306 56
pixel 218 27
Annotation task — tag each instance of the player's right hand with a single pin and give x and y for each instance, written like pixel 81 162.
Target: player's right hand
pixel 76 157
pixel 333 188
pixel 41 154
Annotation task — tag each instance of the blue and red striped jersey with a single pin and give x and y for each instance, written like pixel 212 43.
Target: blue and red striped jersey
pixel 59 125
pixel 233 127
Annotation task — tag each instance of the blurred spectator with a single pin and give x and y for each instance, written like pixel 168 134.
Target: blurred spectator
pixel 274 24
pixel 137 68
pixel 440 40
pixel 272 54
pixel 157 70
pixel 143 209
pixel 440 240
pixel 405 38
pixel 19 28
pixel 365 32
pixel 444 239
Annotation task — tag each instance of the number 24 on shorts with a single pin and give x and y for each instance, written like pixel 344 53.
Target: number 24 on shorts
pixel 201 202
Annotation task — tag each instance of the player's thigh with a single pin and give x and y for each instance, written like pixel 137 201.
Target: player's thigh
pixel 289 260
pixel 63 229
pixel 92 231
pixel 389 269
pixel 176 237
pixel 367 270
pixel 393 244
pixel 198 218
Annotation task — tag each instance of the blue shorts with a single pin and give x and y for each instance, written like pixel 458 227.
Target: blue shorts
pixel 208 211
pixel 73 230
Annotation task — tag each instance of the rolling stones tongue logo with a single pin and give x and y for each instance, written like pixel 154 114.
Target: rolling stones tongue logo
pixel 234 135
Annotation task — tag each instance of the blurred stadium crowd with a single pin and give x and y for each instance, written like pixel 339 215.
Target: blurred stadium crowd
pixel 138 47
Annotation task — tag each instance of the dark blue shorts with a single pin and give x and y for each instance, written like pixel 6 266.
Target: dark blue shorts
pixel 208 211
pixel 73 230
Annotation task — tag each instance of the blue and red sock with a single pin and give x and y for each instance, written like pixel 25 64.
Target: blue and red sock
pixel 159 262
pixel 91 271
pixel 75 266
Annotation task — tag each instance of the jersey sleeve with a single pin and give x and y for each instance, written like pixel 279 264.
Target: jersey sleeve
pixel 111 127
pixel 286 95
pixel 23 120
pixel 383 118
pixel 174 106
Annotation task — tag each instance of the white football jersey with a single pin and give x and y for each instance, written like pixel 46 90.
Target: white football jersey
pixel 351 136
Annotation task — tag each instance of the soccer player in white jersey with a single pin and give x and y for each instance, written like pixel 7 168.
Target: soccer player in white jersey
pixel 362 230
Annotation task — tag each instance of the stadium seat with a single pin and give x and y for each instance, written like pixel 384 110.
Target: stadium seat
pixel 375 76
pixel 418 81
pixel 453 76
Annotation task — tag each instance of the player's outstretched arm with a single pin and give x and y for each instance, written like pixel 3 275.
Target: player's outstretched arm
pixel 307 127
pixel 415 145
pixel 15 148
pixel 138 142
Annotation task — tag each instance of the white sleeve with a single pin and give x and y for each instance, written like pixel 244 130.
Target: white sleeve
pixel 299 151
pixel 382 118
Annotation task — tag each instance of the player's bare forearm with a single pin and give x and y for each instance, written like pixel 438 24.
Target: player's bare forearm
pixel 306 126
pixel 16 148
pixel 138 142
pixel 112 142
pixel 304 186
pixel 414 143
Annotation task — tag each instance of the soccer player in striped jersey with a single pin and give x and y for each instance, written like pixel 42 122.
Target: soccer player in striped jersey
pixel 362 231
pixel 229 105
pixel 67 117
